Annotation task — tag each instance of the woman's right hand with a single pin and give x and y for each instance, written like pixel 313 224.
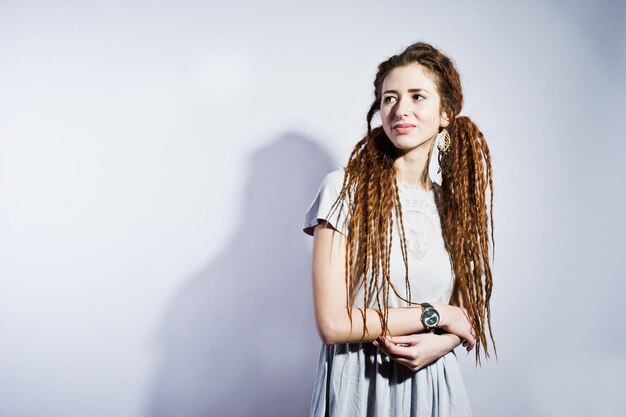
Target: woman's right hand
pixel 455 320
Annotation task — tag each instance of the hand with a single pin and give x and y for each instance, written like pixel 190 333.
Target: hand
pixel 417 350
pixel 455 320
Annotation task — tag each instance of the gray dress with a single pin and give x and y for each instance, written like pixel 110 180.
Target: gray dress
pixel 355 379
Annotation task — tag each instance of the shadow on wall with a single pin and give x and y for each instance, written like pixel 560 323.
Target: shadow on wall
pixel 239 338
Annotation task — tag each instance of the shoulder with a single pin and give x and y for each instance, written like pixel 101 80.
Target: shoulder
pixel 334 179
pixel 326 205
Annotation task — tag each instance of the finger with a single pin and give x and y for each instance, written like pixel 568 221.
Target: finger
pixel 383 342
pixel 409 339
pixel 380 344
pixel 470 339
pixel 385 351
pixel 400 352
pixel 380 339
pixel 387 343
pixel 384 339
pixel 469 343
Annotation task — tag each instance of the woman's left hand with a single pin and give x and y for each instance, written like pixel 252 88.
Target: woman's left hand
pixel 417 350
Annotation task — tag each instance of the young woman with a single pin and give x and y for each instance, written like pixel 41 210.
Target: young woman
pixel 401 271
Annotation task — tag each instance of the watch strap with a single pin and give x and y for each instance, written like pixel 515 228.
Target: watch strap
pixel 428 306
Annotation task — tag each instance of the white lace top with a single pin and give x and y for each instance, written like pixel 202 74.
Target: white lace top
pixel 430 270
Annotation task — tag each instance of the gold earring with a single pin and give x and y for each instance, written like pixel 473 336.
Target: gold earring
pixel 443 141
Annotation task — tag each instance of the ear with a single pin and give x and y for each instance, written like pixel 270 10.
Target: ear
pixel 444 120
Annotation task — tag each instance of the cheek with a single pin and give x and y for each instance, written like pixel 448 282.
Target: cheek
pixel 384 118
pixel 429 116
pixel 387 129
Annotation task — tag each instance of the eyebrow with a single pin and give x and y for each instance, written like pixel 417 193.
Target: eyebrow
pixel 412 90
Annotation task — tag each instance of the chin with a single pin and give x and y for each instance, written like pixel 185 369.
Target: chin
pixel 408 145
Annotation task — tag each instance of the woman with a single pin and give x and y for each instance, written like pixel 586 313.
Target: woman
pixel 401 272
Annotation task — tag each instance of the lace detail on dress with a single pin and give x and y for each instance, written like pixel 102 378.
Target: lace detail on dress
pixel 421 238
pixel 421 220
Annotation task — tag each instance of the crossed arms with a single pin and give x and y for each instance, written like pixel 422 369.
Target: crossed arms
pixel 403 342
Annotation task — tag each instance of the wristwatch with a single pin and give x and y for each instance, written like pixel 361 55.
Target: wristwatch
pixel 430 317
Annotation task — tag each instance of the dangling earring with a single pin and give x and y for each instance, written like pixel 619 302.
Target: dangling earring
pixel 443 140
pixel 443 144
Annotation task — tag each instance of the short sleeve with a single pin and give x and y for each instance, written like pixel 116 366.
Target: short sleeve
pixel 322 206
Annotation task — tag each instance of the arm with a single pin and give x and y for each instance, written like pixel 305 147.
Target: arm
pixel 418 350
pixel 329 300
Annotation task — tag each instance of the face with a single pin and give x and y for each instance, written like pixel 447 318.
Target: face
pixel 410 108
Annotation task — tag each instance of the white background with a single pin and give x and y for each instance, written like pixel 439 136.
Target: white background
pixel 156 159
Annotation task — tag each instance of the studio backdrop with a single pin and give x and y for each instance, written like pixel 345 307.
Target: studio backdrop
pixel 157 158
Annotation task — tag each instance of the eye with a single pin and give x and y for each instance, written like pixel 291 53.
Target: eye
pixel 388 99
pixel 418 97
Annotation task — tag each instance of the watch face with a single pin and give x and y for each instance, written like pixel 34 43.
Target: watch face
pixel 431 317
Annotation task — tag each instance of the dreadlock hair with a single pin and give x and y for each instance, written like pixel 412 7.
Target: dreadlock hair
pixel 370 185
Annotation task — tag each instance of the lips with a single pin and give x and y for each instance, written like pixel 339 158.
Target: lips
pixel 401 128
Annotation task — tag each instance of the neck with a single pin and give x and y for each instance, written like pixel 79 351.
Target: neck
pixel 411 165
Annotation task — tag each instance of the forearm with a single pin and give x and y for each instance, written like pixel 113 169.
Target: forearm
pixel 335 326
pixel 366 325
pixel 452 341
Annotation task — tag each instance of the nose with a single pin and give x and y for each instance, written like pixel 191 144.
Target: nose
pixel 402 108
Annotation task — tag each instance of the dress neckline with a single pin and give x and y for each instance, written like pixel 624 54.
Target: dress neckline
pixel 415 189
